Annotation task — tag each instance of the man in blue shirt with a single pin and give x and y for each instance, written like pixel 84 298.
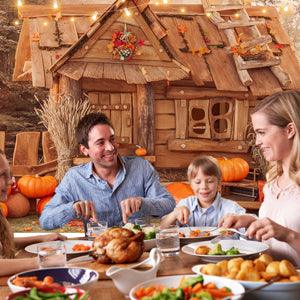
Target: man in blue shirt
pixel 110 187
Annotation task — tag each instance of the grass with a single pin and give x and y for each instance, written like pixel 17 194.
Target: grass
pixel 30 223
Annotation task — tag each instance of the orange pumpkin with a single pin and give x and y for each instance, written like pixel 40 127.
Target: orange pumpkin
pixel 140 151
pixel 179 190
pixel 37 186
pixel 18 205
pixel 4 209
pixel 234 169
pixel 42 203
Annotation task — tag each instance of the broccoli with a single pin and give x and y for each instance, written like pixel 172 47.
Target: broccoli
pixel 204 296
pixel 217 250
pixel 191 281
pixel 232 251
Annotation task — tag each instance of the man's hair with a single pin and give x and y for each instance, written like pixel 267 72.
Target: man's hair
pixel 87 123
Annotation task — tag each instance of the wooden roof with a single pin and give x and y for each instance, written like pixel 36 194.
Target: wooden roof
pixel 164 46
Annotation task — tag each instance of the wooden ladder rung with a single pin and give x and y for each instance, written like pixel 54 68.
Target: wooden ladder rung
pixel 214 8
pixel 253 64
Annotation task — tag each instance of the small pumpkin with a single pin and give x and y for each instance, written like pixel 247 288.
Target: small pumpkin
pixel 37 186
pixel 42 203
pixel 18 205
pixel 234 169
pixel 4 209
pixel 140 151
pixel 179 190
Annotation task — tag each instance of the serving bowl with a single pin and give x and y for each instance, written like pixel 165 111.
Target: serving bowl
pixel 26 292
pixel 275 291
pixel 67 276
pixel 174 281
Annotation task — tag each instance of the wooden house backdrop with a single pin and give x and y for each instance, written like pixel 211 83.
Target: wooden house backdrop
pixel 188 89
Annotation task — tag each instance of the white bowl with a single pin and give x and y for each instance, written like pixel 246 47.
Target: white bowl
pixel 275 291
pixel 174 281
pixel 77 277
pixel 126 278
pixel 149 244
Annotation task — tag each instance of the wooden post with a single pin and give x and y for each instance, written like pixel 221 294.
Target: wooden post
pixel 145 116
pixel 68 86
pixel 54 91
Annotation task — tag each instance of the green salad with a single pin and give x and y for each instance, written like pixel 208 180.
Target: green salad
pixel 217 250
pixel 149 231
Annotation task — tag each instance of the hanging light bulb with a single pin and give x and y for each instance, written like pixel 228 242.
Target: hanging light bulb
pixel 19 3
pixel 127 12
pixel 55 4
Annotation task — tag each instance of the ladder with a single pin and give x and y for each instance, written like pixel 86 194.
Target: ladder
pixel 212 8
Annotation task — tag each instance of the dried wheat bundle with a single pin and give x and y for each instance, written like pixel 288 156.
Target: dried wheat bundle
pixel 61 118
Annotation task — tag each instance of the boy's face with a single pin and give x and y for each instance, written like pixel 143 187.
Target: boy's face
pixel 5 176
pixel 205 187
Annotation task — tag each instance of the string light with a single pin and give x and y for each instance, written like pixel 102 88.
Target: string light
pixel 182 9
pixel 286 8
pixel 19 3
pixel 237 15
pixel 208 14
pixel 17 22
pixel 45 23
pixel 156 3
pixel 264 11
pixel 72 19
pixel 94 16
pixel 165 1
pixel 55 4
pixel 127 12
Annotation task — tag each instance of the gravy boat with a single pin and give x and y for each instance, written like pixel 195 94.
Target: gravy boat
pixel 126 278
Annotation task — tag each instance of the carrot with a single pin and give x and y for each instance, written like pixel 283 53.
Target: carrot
pixel 218 293
pixel 210 285
pixel 197 288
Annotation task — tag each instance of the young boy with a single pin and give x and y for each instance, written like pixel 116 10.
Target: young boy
pixel 206 207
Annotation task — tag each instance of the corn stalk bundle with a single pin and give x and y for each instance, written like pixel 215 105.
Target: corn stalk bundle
pixel 61 118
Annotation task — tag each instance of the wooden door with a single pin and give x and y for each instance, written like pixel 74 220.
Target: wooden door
pixel 118 107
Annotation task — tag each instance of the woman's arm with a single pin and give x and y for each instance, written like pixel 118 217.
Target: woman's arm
pixel 12 266
pixel 22 242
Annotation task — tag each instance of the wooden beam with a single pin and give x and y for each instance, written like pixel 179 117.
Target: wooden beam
pixel 208 145
pixel 68 86
pixel 42 169
pixel 145 117
pixel 106 85
pixel 254 64
pixel 178 92
pixel 233 24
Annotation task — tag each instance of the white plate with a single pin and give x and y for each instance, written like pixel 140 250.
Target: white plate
pixel 187 240
pixel 247 248
pixel 174 281
pixel 82 258
pixel 284 290
pixel 68 244
pixel 149 244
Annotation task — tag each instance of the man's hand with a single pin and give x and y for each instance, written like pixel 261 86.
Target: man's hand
pixel 182 214
pixel 129 206
pixel 85 209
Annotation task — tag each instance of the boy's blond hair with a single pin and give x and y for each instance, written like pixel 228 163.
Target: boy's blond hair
pixel 208 165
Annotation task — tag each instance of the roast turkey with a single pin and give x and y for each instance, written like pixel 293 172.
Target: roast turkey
pixel 118 245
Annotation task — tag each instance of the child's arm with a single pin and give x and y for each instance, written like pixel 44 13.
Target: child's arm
pixel 180 213
pixel 12 266
pixel 25 241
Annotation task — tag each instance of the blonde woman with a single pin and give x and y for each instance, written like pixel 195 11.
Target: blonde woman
pixel 276 121
pixel 8 264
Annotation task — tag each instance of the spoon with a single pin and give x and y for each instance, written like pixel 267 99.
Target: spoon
pixel 238 296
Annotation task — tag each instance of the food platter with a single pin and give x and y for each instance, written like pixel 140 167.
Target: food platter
pixel 246 249
pixel 69 244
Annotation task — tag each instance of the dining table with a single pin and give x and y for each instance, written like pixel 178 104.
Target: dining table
pixel 104 288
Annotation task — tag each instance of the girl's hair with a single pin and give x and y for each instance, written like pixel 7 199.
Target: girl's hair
pixel 281 109
pixel 6 235
pixel 208 165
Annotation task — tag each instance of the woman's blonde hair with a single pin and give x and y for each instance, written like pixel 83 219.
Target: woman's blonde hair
pixel 6 235
pixel 208 165
pixel 281 109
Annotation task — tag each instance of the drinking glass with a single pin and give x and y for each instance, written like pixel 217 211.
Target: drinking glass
pixel 167 240
pixel 53 255
pixel 95 228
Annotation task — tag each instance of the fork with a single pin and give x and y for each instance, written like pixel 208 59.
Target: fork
pixel 236 236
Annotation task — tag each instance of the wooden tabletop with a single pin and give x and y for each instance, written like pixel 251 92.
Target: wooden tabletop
pixel 105 289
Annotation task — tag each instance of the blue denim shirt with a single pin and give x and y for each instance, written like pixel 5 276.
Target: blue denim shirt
pixel 136 178
pixel 210 216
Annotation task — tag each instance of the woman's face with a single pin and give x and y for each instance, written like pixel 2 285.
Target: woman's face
pixel 5 176
pixel 205 188
pixel 274 142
